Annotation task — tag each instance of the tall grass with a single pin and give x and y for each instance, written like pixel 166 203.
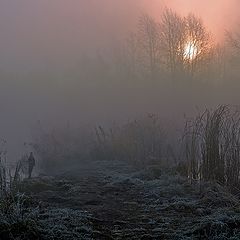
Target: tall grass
pixel 212 146
pixel 10 179
pixel 139 141
pixel 17 218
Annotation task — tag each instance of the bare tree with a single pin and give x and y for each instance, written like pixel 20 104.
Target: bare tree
pixel 132 52
pixel 181 46
pixel 219 63
pixel 233 47
pixel 185 42
pixel 233 40
pixel 149 44
pixel 172 40
pixel 198 44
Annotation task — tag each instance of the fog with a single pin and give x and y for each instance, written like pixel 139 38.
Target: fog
pixel 61 62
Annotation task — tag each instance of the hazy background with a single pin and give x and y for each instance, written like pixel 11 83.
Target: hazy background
pixel 47 49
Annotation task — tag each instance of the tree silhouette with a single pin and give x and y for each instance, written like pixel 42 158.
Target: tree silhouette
pixel 185 42
pixel 149 44
pixel 172 30
pixel 177 46
pixel 200 40
pixel 233 40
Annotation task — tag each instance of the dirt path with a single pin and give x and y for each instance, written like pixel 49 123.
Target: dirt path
pixel 129 204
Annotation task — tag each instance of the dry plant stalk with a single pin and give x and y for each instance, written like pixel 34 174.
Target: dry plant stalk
pixel 212 146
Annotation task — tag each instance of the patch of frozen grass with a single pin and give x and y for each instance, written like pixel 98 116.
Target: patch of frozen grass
pixel 64 224
pixel 17 220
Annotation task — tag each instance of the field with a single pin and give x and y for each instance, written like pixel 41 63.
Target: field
pixel 110 200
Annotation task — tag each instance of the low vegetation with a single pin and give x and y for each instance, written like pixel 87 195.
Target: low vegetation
pixel 138 142
pixel 23 217
pixel 126 160
pixel 17 218
pixel 210 150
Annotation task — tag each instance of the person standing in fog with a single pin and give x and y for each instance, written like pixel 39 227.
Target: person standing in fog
pixel 31 164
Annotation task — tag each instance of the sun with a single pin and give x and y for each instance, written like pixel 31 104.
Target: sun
pixel 190 51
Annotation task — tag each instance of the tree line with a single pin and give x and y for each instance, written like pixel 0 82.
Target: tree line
pixel 177 47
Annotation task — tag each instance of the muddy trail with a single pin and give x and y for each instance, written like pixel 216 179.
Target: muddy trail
pixel 121 202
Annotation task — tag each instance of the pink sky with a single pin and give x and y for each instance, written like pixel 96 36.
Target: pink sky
pixel 48 31
pixel 218 15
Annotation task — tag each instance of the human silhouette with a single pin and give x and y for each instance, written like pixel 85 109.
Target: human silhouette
pixel 31 164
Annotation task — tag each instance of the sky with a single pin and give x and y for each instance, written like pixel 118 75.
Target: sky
pixel 46 38
pixel 38 33
pixel 218 15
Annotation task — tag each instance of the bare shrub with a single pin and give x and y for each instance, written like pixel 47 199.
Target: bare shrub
pixel 139 142
pixel 55 146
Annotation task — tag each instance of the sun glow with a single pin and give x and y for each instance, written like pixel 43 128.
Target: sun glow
pixel 190 51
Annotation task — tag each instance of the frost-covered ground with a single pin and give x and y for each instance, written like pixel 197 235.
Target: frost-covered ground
pixel 110 200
